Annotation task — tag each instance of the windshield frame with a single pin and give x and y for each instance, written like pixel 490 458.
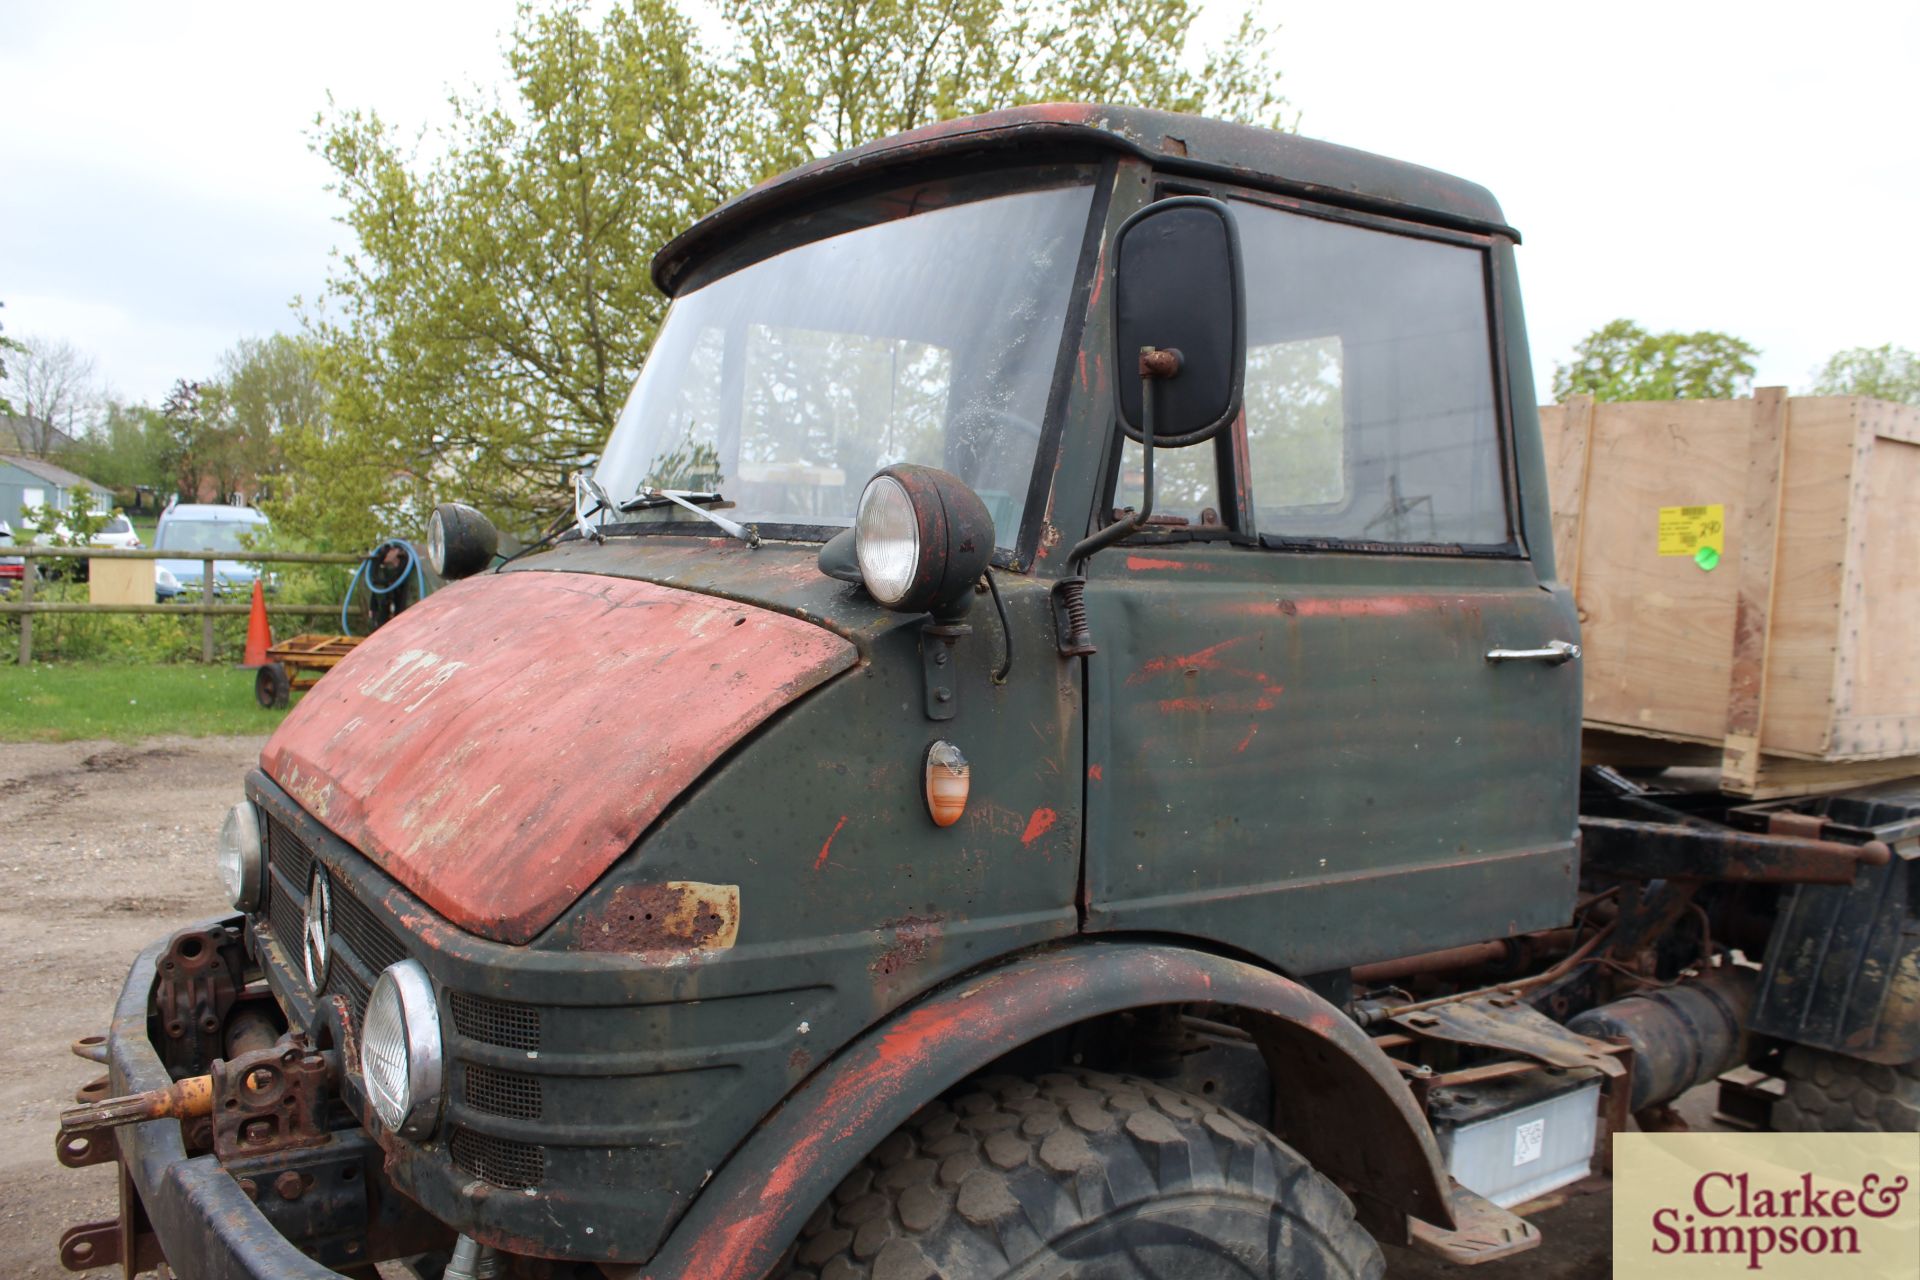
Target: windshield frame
pixel 808 222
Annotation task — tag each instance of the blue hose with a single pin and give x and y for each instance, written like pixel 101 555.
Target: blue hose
pixel 360 573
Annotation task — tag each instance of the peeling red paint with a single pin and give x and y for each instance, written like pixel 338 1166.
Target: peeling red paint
pixel 827 848
pixel 1263 700
pixel 1207 659
pixel 481 749
pixel 1155 562
pixel 1248 740
pixel 1358 606
pixel 1082 362
pixel 1038 825
pixel 1093 772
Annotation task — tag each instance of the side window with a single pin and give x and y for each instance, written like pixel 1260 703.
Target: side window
pixel 1370 396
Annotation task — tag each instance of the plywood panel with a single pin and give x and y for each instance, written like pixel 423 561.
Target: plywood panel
pixel 1882 621
pixel 119 581
pixel 1657 630
pixel 1808 573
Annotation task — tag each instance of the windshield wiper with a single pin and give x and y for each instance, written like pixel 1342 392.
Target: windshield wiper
pixel 651 497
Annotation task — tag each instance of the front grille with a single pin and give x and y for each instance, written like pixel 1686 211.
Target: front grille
pixel 510 1026
pixel 356 930
pixel 501 1161
pixel 369 939
pixel 284 914
pixel 502 1093
pixel 342 981
pixel 288 854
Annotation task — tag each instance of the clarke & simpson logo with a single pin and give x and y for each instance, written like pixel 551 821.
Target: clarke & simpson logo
pixel 1727 1214
pixel 1783 1205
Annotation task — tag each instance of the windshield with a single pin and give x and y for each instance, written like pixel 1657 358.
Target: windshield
pixel 928 338
pixel 206 535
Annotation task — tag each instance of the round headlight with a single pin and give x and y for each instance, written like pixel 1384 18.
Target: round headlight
pixel 887 539
pixel 401 1064
pixel 922 539
pixel 460 541
pixel 241 859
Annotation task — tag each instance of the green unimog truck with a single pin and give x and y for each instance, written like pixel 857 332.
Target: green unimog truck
pixel 1050 747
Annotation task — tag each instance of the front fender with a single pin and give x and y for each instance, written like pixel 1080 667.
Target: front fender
pixel 1349 1112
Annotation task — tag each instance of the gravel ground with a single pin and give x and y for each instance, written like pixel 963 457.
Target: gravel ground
pixel 104 847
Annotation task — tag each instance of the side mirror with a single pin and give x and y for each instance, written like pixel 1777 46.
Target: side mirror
pixel 460 541
pixel 1180 359
pixel 1178 287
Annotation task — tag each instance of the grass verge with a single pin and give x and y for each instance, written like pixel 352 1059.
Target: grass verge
pixel 76 700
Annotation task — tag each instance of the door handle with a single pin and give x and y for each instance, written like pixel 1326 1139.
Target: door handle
pixel 1554 652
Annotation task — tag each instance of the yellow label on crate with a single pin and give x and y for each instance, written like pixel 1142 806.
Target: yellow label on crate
pixel 1684 531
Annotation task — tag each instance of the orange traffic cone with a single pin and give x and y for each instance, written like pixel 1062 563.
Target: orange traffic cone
pixel 259 634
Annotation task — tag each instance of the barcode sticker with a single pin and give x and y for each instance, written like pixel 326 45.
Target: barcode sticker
pixel 1529 1140
pixel 1684 530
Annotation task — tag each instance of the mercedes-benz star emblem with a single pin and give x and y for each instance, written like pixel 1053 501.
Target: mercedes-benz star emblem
pixel 316 928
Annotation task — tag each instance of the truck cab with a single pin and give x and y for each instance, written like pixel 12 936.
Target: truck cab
pixel 1068 587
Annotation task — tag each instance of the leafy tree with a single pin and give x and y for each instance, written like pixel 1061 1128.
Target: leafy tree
pixel 483 330
pixel 1885 372
pixel 127 448
pixel 825 75
pixel 1622 361
pixel 185 416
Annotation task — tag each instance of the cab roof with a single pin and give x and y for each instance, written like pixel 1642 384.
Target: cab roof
pixel 1284 162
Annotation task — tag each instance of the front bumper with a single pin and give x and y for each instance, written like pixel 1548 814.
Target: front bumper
pixel 205 1223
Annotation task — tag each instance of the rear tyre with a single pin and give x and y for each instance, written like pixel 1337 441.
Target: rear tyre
pixel 1832 1093
pixel 1084 1175
pixel 271 688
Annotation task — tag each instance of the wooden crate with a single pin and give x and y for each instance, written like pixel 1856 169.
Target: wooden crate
pixel 1795 660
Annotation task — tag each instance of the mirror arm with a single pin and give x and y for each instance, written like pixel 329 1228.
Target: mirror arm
pixel 1156 364
pixel 1069 593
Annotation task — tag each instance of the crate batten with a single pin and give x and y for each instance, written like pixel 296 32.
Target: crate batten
pixel 1802 648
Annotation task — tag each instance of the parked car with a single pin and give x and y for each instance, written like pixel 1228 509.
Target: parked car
pixel 195 528
pixel 118 531
pixel 12 568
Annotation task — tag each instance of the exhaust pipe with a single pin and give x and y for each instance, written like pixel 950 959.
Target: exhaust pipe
pixel 1682 1035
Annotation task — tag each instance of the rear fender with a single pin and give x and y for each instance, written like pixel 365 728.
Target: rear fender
pixel 1347 1110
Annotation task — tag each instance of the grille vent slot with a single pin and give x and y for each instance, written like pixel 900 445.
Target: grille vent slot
pixel 490 1021
pixel 503 1093
pixel 285 915
pixel 500 1161
pixel 369 939
pixel 289 854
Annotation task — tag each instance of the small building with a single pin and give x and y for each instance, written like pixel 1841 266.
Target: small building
pixel 26 483
pixel 31 436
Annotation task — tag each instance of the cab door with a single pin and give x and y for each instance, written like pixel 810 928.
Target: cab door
pixel 1298 745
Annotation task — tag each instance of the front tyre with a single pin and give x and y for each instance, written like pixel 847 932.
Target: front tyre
pixel 1085 1175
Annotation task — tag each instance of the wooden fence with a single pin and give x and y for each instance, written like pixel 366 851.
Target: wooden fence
pixel 205 606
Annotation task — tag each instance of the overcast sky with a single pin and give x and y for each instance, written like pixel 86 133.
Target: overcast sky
pixel 1750 167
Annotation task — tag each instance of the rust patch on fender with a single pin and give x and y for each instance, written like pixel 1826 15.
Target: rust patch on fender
pixel 912 937
pixel 680 915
